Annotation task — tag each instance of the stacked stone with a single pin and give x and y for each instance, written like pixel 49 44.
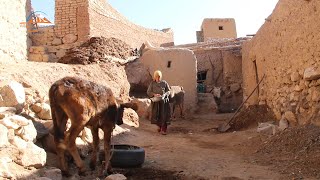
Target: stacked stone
pixel 17 133
pixel 297 98
pixel 38 54
pixel 47 47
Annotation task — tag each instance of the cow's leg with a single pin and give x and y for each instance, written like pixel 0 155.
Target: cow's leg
pixel 181 110
pixel 173 108
pixel 75 130
pixel 95 146
pixel 107 139
pixel 60 119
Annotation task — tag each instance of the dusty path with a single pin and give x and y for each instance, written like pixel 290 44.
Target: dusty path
pixel 194 150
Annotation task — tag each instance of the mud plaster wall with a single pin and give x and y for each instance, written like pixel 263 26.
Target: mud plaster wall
pixel 232 71
pixel 77 21
pixel 106 21
pixel 210 29
pixel 286 49
pixel 13 35
pixel 182 72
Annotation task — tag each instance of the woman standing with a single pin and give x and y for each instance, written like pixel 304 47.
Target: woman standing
pixel 159 91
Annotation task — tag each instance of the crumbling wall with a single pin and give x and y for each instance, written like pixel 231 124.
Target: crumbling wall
pixel 232 80
pixel 286 49
pixel 13 33
pixel 224 70
pixel 106 21
pixel 210 60
pixel 232 63
pixel 77 21
pixel 71 29
pixel 178 67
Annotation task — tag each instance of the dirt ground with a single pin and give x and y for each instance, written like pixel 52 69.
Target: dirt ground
pixel 192 149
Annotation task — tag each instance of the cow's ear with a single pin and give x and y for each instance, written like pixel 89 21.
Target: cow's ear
pixel 133 106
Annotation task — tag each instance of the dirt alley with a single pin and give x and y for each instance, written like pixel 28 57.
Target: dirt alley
pixel 193 150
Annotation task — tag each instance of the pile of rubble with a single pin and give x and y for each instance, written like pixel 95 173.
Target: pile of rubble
pixel 252 116
pixel 295 150
pixel 98 50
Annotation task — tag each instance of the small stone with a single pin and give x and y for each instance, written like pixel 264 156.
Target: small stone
pixel 297 88
pixel 45 58
pixel 283 124
pixel 12 94
pixel 311 73
pixel 116 177
pixel 130 117
pixel 235 87
pixel 35 57
pixel 295 77
pixel 3 136
pixel 290 116
pixel 56 41
pixel 69 38
pixel 36 107
pixel 45 112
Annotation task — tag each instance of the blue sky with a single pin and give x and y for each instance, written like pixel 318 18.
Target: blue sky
pixel 185 16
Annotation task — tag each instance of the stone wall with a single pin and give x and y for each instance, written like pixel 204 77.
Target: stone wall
pixel 106 21
pixel 182 70
pixel 13 34
pixel 286 49
pixel 48 47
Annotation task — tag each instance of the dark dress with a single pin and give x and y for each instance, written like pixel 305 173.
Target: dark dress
pixel 160 114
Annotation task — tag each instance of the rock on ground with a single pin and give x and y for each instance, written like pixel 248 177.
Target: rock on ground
pixel 3 135
pixel 12 94
pixel 32 156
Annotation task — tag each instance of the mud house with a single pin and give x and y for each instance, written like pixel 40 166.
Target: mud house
pixel 179 67
pixel 219 65
pixel 286 50
pixel 217 28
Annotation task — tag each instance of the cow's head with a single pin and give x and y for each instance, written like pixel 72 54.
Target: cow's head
pixel 115 112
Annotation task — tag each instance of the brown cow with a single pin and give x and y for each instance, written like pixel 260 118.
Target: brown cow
pixel 85 103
